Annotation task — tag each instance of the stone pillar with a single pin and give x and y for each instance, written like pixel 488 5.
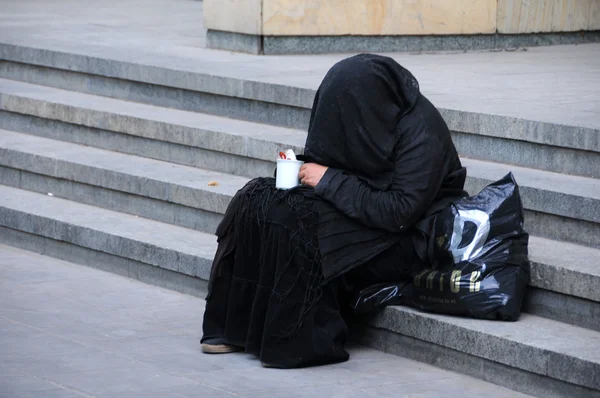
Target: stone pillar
pixel 534 16
pixel 378 17
pixel 317 26
pixel 234 25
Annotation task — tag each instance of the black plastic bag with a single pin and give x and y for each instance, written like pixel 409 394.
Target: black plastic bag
pixel 377 296
pixel 479 259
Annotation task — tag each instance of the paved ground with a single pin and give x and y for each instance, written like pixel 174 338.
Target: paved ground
pixel 551 84
pixel 72 331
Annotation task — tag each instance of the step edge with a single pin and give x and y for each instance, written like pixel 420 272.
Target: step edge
pixel 397 318
pixel 544 274
pixel 154 129
pixel 246 89
pixel 550 201
pixel 140 132
pixel 173 192
pixel 540 269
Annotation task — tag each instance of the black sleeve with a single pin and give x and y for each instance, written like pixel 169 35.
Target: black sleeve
pixel 418 175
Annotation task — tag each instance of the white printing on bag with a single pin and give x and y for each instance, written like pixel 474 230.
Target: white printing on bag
pixel 461 252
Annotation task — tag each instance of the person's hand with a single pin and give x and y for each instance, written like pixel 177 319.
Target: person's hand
pixel 311 173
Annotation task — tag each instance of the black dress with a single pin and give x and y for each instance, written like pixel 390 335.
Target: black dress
pixel 288 260
pixel 267 290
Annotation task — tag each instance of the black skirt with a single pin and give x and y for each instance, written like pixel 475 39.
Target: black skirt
pixel 267 292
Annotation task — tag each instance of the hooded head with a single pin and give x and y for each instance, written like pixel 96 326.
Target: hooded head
pixel 355 114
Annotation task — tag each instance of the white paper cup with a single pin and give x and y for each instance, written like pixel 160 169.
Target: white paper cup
pixel 287 173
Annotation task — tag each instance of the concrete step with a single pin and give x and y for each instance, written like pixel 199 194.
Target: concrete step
pixel 190 138
pixel 572 149
pixel 560 207
pixel 557 206
pixel 564 275
pixel 111 240
pixel 167 192
pixel 534 355
pixel 208 88
pixel 564 282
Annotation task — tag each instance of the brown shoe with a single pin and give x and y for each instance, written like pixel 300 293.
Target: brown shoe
pixel 218 346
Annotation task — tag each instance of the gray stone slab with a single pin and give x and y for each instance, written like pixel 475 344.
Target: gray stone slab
pixel 23 240
pixel 554 278
pixel 174 76
pixel 565 268
pixel 517 128
pixel 43 345
pixel 280 45
pixel 542 191
pixel 144 177
pixel 182 127
pixel 230 41
pixel 172 280
pixel 257 379
pixel 529 344
pixel 183 391
pixel 27 386
pixel 142 206
pixel 563 229
pixel 337 391
pixel 84 360
pixel 223 162
pixel 106 262
pixel 436 388
pixel 263 151
pixel 160 95
pixel 490 371
pixel 178 281
pixel 563 308
pixel 292 80
pixel 567 136
pixel 379 372
pixel 527 154
pixel 559 206
pixel 10 177
pixel 134 378
pixel 508 140
pixel 77 254
pixel 139 239
pixel 265 148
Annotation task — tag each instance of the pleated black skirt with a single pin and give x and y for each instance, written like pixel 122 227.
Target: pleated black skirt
pixel 267 292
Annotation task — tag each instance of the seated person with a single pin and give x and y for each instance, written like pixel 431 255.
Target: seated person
pixel 378 158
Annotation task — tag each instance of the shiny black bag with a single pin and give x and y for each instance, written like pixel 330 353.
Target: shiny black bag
pixel 478 253
pixel 377 296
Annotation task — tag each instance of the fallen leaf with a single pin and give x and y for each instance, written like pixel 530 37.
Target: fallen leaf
pixel 212 183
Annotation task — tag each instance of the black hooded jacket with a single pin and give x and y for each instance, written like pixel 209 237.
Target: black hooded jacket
pixel 390 156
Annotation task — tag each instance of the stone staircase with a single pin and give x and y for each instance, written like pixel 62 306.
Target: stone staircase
pixel 107 163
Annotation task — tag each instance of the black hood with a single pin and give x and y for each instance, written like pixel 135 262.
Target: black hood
pixel 354 118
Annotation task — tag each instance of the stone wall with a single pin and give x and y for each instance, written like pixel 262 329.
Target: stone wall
pixel 399 17
pixel 238 16
pixel 378 17
pixel 517 16
pixel 334 26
